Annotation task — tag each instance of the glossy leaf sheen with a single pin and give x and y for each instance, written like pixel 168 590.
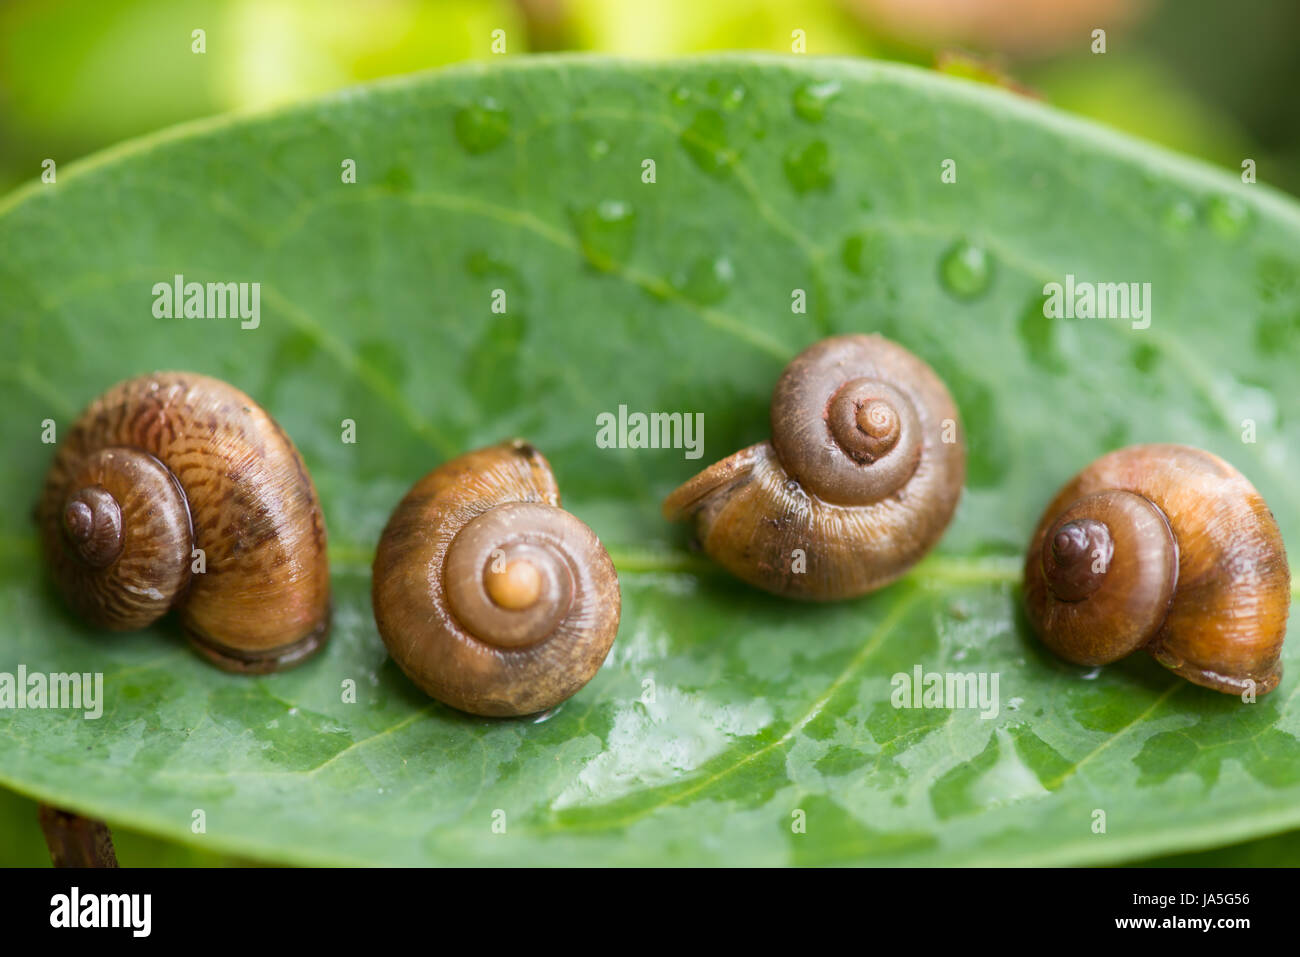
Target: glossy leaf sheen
pixel 527 177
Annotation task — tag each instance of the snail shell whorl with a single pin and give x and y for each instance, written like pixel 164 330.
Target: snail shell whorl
pixel 126 539
pixel 1198 576
pixel 189 462
pixel 857 475
pixel 841 428
pixel 488 595
pixel 1115 549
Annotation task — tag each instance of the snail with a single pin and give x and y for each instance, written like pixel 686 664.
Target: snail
pixel 860 479
pixel 175 490
pixel 1167 548
pixel 489 596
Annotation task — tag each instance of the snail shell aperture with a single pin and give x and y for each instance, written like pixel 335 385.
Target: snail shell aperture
pixel 1167 548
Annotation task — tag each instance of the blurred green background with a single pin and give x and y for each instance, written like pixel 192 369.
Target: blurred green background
pixel 1206 77
pixel 1213 79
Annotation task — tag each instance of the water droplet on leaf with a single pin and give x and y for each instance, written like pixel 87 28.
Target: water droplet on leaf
pixel 812 99
pixel 863 253
pixel 1227 215
pixel 810 168
pixel 606 232
pixel 730 93
pixel 708 280
pixel 482 126
pixel 1179 216
pixel 543 716
pixel 1145 357
pixel 966 270
pixel 705 141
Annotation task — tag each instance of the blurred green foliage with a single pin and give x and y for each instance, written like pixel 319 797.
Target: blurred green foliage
pixel 1211 79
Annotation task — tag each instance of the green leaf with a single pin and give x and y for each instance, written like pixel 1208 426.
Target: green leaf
pixel 672 296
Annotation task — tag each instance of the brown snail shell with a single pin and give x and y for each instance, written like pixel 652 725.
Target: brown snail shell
pixel 488 595
pixel 1168 548
pixel 167 463
pixel 857 475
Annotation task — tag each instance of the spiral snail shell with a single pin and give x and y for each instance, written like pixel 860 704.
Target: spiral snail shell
pixel 488 595
pixel 163 469
pixel 1167 548
pixel 860 479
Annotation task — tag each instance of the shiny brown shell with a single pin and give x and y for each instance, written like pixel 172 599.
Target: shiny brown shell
pixel 167 463
pixel 488 595
pixel 1167 548
pixel 861 477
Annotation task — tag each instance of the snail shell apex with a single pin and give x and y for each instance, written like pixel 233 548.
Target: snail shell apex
pixel 166 463
pixel 489 596
pixel 857 475
pixel 1199 575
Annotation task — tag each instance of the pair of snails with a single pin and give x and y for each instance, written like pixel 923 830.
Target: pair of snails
pixel 494 600
pixel 1162 547
pixel 176 490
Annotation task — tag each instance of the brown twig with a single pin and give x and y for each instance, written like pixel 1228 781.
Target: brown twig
pixel 76 841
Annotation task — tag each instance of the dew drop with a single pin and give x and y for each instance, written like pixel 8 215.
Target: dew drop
pixel 729 93
pixel 1227 215
pixel 708 280
pixel 966 270
pixel 863 253
pixel 1145 357
pixel 544 716
pixel 705 141
pixel 482 126
pixel 1179 216
pixel 811 99
pixel 606 232
pixel 1277 278
pixel 810 168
